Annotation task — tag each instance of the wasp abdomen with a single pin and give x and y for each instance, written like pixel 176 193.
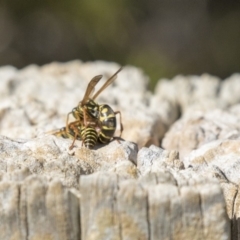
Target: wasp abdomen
pixel 61 133
pixel 89 136
pixel 108 123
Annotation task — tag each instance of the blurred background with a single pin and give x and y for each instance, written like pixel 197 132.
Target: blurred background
pixel 164 37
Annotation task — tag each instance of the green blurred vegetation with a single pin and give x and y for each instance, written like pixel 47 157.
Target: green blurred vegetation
pixel 164 38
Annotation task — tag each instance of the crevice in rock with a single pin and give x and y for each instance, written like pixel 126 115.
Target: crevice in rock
pixel 234 223
pixel 117 210
pixel 201 212
pixel 148 218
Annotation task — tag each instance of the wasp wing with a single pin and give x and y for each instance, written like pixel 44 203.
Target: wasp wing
pixel 107 83
pixel 90 88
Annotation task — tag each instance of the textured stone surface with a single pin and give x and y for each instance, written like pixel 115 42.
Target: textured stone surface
pixel 229 91
pixel 50 157
pixel 36 210
pixel 192 132
pixel 40 98
pixel 173 175
pixel 107 207
pixel 153 159
pixel 99 219
pixel 221 155
pixel 149 210
pixel 194 92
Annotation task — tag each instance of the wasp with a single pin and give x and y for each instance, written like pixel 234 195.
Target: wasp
pixel 92 118
pixel 88 135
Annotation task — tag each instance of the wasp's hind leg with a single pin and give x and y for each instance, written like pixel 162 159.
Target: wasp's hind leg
pixel 67 120
pixel 121 125
pixel 74 131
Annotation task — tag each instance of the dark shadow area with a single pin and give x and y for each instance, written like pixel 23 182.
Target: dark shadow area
pixel 100 145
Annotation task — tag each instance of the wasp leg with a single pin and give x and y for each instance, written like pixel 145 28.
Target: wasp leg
pixel 67 125
pixel 85 117
pixel 73 126
pixel 121 125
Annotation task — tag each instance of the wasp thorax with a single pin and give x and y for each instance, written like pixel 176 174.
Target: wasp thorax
pixel 92 108
pixel 94 112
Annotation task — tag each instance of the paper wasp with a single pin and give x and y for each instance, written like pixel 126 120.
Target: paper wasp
pixel 88 135
pixel 93 119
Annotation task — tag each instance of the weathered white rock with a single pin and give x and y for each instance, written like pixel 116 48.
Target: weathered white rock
pixel 37 210
pixel 49 156
pixel 134 209
pixel 230 88
pixel 155 159
pixel 223 155
pixel 143 127
pixel 10 219
pixel 40 98
pixel 194 92
pixel 6 75
pixel 127 190
pixel 221 160
pixel 192 132
pixel 99 218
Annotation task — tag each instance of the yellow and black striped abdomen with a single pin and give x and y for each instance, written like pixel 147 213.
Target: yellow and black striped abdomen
pixel 108 122
pixel 62 132
pixel 89 136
